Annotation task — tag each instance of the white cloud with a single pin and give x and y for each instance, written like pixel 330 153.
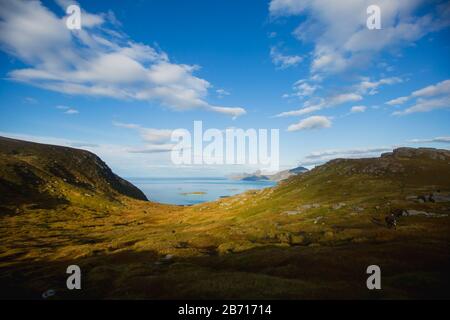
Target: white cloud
pixel 153 148
pixel 155 140
pixel 321 103
pixel 234 112
pixel 370 87
pixel 426 99
pixel 302 89
pixel 440 88
pixel 397 101
pixel 339 34
pixel 313 122
pixel 284 61
pixel 287 7
pixel 432 140
pixel 222 92
pixel 68 110
pixel 426 105
pixel 149 135
pixel 96 60
pixel 356 109
pixel 71 111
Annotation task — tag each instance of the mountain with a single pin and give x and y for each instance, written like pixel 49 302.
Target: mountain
pixel 258 176
pixel 47 175
pixel 282 175
pixel 310 237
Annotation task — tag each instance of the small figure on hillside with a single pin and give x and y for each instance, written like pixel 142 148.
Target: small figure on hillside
pixel 397 213
pixel 391 221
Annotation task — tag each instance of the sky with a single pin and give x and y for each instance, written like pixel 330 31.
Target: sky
pixel 135 71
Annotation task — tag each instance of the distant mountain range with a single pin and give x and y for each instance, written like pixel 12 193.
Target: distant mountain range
pixel 258 176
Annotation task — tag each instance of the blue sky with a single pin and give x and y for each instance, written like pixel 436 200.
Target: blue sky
pixel 311 69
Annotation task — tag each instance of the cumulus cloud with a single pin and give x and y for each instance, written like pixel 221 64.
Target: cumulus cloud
pixel 429 98
pixel 338 32
pixel 356 109
pixel 283 61
pixel 313 122
pixel 97 60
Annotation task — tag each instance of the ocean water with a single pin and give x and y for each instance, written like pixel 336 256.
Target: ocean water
pixel 180 190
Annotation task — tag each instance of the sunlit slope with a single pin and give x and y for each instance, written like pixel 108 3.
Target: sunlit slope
pixel 312 236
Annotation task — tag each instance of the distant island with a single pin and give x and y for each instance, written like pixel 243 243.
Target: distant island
pixel 258 176
pixel 195 193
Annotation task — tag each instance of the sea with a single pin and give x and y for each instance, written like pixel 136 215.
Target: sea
pixel 189 191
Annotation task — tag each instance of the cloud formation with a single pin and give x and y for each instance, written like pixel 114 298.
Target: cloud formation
pixel 432 97
pixel 317 104
pixel 283 61
pixel 358 109
pixel 338 31
pixel 98 60
pixel 67 110
pixel 313 122
pixel 222 93
pixel 366 86
pixel 155 140
pixel 432 140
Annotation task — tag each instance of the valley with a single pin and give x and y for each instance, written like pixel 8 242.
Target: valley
pixel 311 236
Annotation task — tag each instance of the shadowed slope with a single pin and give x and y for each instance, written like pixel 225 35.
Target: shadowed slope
pixel 47 175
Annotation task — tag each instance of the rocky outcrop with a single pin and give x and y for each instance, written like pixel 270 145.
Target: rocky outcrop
pixel 430 153
pixel 393 163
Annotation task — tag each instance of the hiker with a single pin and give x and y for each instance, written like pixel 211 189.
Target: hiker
pixel 391 221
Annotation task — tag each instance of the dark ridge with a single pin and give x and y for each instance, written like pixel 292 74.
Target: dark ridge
pixel 29 169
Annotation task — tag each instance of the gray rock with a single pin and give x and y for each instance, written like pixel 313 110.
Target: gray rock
pixel 415 213
pixel 292 212
pixel 316 220
pixel 310 206
pixel 438 197
pixel 338 206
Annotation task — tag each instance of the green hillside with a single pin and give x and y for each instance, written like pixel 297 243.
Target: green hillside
pixel 312 236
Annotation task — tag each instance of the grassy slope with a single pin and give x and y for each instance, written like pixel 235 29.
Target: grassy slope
pixel 47 176
pixel 246 246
